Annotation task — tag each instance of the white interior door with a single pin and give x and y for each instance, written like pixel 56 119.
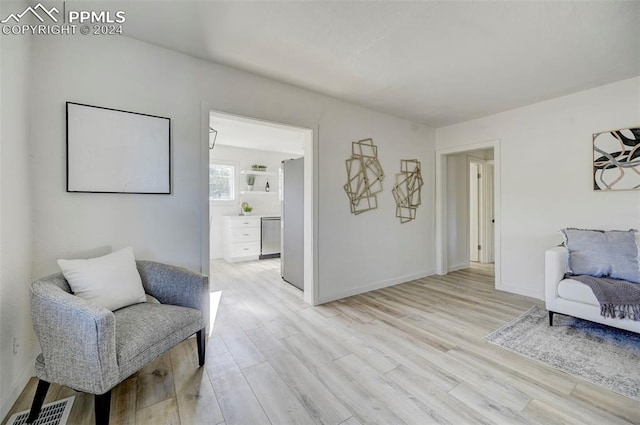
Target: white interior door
pixel 474 211
pixel 490 214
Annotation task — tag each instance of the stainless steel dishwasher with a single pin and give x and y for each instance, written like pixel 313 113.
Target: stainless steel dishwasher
pixel 270 237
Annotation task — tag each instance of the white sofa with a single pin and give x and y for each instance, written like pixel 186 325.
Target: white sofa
pixel 570 297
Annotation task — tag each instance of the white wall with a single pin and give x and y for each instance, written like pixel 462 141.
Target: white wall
pixel 546 157
pixel 16 217
pixel 262 204
pixel 354 252
pixel 373 249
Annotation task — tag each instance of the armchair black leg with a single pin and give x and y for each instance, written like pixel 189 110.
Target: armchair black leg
pixel 102 408
pixel 38 399
pixel 550 318
pixel 201 336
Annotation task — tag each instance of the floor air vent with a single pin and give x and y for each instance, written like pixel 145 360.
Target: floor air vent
pixel 55 413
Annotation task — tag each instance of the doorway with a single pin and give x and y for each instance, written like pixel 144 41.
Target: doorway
pixel 467 207
pixel 260 192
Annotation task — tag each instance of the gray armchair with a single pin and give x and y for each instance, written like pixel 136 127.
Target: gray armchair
pixel 91 349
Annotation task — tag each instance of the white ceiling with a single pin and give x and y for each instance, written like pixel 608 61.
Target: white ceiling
pixel 253 134
pixel 432 62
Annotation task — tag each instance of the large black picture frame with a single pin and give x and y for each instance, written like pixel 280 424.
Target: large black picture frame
pixel 115 151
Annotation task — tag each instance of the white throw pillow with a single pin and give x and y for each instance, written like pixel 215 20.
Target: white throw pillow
pixel 111 281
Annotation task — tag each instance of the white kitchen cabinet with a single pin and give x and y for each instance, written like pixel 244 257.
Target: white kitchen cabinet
pixel 241 238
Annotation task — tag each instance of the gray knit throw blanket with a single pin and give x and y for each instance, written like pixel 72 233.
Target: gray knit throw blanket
pixel 617 298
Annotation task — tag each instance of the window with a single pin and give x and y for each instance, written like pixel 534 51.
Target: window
pixel 221 182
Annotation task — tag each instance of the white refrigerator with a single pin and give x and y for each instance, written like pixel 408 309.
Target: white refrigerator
pixel 292 252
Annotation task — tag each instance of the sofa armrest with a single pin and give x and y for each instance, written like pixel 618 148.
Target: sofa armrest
pixel 176 286
pixel 555 263
pixel 77 338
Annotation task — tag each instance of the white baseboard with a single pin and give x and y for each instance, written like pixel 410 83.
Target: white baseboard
pixel 376 285
pixel 519 290
pixel 457 267
pixel 16 389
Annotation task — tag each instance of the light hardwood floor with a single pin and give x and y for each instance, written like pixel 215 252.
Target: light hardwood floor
pixel 410 354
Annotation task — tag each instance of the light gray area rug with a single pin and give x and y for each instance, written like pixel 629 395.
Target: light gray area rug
pixel 599 354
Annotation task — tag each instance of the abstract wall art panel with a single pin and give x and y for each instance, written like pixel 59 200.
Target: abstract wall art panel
pixel 364 177
pixel 406 191
pixel 616 159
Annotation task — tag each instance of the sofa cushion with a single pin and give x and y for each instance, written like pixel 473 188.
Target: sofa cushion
pixel 573 290
pixel 601 253
pixel 145 331
pixel 111 281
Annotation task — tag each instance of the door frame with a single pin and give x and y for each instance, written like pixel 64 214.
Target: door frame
pixel 442 260
pixel 311 290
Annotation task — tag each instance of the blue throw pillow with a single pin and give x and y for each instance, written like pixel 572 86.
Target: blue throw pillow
pixel 603 253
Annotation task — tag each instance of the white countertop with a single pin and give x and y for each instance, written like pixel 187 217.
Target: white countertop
pixel 252 215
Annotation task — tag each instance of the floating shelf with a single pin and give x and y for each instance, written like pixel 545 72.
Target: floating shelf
pixel 259 173
pixel 257 192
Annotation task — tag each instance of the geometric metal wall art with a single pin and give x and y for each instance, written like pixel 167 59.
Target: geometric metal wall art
pixel 616 159
pixel 364 176
pixel 406 192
